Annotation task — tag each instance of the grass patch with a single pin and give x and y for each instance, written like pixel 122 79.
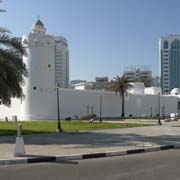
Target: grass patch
pixel 9 128
pixel 144 118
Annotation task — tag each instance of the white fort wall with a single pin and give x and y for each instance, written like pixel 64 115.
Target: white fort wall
pixel 74 103
pixel 13 110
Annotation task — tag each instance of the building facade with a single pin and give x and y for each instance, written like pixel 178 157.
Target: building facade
pixel 77 81
pixel 84 86
pixel 169 54
pixel 101 83
pixel 76 103
pixel 62 61
pixel 138 73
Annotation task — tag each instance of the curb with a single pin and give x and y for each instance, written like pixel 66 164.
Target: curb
pixel 62 158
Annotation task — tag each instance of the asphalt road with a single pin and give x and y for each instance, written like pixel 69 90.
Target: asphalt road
pixel 163 165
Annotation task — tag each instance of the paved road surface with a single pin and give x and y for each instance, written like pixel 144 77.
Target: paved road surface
pixel 163 165
pixel 93 141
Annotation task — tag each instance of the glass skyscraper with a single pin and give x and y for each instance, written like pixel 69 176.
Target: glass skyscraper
pixel 169 47
pixel 62 61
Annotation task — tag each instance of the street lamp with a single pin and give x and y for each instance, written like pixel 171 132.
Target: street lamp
pixel 87 110
pixel 163 111
pixel 151 111
pixel 159 121
pixel 100 113
pixel 59 129
pixel 92 110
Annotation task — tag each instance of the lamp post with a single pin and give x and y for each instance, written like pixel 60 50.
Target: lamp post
pixel 92 110
pixel 59 129
pixel 159 121
pixel 100 113
pixel 151 111
pixel 163 111
pixel 87 110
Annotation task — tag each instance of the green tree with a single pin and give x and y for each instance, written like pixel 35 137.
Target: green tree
pixel 146 80
pixel 12 68
pixel 120 85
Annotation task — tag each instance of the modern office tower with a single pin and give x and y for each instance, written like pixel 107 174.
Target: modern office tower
pixel 169 54
pixel 61 61
pixel 137 73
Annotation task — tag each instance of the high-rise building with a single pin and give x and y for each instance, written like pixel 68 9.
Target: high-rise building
pixel 169 54
pixel 139 73
pixel 62 61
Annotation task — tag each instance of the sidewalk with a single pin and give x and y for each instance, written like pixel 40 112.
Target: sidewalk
pixel 91 142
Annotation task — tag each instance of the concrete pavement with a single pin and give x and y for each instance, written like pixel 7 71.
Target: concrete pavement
pixel 91 142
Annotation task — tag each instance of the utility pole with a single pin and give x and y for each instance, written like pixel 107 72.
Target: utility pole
pixel 59 129
pixel 100 110
pixel 159 118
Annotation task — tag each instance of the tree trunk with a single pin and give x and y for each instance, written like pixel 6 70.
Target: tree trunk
pixel 122 113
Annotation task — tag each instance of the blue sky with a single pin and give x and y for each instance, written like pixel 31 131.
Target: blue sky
pixel 104 36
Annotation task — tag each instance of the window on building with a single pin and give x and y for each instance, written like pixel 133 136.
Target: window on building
pixel 165 67
pixel 165 59
pixel 165 45
pixel 175 44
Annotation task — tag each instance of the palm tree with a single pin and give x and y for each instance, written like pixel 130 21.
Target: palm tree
pixel 120 85
pixel 12 68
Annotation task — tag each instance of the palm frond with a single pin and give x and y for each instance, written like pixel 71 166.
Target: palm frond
pixel 120 85
pixel 12 68
pixel 4 30
pixel 12 43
